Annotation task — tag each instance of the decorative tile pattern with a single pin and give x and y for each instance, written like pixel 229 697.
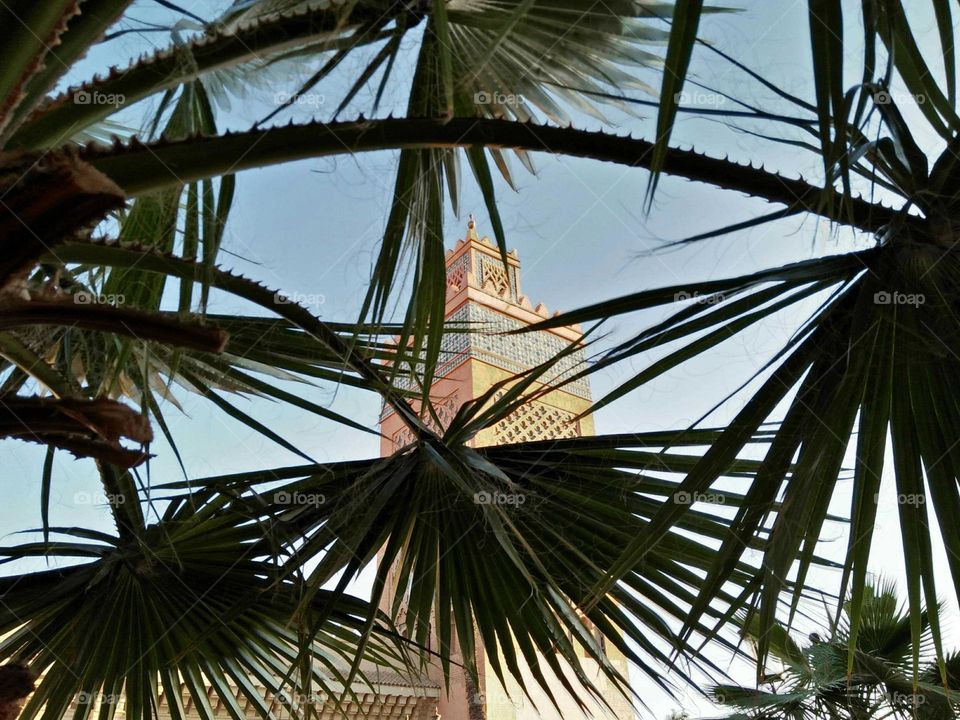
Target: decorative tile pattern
pixel 485 340
pixel 446 410
pixel 517 353
pixel 402 438
pixel 457 273
pixel 493 277
pixel 536 421
pixel 489 270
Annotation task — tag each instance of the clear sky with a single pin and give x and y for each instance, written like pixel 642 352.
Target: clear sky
pixel 313 227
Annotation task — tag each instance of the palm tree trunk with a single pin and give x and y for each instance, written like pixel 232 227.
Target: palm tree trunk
pixel 475 700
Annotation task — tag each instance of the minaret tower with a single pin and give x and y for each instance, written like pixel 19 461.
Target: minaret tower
pixel 485 295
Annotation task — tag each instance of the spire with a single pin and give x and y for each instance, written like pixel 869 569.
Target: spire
pixel 472 228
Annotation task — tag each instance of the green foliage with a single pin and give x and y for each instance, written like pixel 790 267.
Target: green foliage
pixel 214 590
pixel 812 680
pixel 603 539
pixel 865 369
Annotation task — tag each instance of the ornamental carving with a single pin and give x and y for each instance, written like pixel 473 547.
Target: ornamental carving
pixel 536 421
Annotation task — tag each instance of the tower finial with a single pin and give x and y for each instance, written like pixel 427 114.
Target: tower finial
pixel 472 228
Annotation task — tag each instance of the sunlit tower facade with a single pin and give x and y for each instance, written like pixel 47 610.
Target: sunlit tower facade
pixel 486 296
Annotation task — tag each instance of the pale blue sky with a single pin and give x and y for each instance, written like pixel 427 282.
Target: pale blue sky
pixel 312 227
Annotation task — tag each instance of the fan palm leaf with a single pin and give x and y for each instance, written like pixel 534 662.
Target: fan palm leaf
pixel 189 608
pixel 857 362
pixel 862 367
pixel 449 561
pixel 530 52
pixel 814 680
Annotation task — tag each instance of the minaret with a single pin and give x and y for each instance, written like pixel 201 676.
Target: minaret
pixel 483 294
pixel 486 294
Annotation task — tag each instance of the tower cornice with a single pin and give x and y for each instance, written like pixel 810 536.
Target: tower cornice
pixel 476 272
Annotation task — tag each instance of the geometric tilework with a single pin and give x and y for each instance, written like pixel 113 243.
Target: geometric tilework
pixel 484 338
pixel 493 272
pixel 457 273
pixel 445 410
pixel 536 421
pixel 492 277
pixel 514 353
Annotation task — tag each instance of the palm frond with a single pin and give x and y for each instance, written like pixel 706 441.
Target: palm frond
pixel 187 609
pixel 464 537
pixel 815 678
